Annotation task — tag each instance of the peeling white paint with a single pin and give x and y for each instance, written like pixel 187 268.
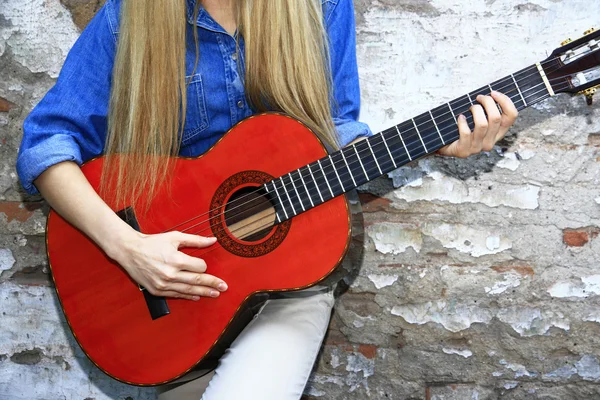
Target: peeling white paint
pixel 467 239
pixel 510 281
pixel 437 186
pixel 587 368
pixel 392 238
pixel 463 353
pixel 509 161
pixel 518 369
pixel 40 34
pixel 35 322
pixel 590 286
pixel 562 373
pixel 532 321
pixel 381 281
pixel 7 260
pixel 511 385
pixel 451 315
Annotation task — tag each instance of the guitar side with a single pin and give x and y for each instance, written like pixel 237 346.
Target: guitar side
pixel 107 312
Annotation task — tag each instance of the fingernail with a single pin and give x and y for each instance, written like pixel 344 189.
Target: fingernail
pixel 494 93
pixel 195 298
pixel 214 293
pixel 462 117
pixel 222 286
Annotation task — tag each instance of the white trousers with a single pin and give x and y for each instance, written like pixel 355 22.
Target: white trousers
pixel 273 356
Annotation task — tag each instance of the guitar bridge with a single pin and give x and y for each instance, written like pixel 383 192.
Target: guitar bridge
pixel 157 306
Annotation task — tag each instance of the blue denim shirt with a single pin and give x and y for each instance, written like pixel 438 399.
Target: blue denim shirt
pixel 70 122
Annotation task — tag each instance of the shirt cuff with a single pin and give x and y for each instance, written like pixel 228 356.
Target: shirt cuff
pixel 348 130
pixel 35 160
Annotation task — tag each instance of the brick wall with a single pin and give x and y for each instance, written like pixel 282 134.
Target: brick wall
pixel 478 278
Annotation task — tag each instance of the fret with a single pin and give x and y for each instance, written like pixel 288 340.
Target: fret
pixel 280 200
pixel 392 148
pixel 412 139
pixel 336 174
pixel 330 172
pixel 296 190
pixel 518 89
pixel 429 132
pixel 266 188
pixel 316 184
pixel 305 187
pixel 436 128
pixel 284 188
pixel 452 112
pixel 471 102
pixel 403 144
pixel 354 165
pixel 325 176
pixel 388 150
pixel 374 157
pixel 360 161
pixel 347 166
pixel 419 134
pixel 531 84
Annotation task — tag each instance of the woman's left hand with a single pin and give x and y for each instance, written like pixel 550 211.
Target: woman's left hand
pixel 488 131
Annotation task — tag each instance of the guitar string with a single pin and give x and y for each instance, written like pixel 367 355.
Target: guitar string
pixel 343 174
pixel 218 245
pixel 457 105
pixel 368 165
pixel 533 73
pixel 264 217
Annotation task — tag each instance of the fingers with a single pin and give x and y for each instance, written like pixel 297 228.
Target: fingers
pixel 187 240
pixel 509 113
pixel 187 285
pixel 493 122
pixel 462 147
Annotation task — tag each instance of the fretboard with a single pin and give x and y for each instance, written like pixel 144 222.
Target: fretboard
pixel 354 165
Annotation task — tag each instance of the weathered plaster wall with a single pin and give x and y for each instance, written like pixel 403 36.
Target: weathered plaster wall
pixel 479 278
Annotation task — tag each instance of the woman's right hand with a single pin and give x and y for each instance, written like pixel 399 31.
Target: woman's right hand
pixel 155 262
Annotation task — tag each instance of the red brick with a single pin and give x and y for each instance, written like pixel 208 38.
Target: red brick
pixel 367 350
pixel 5 105
pixel 575 238
pixel 19 211
pixel 523 270
pixel 371 203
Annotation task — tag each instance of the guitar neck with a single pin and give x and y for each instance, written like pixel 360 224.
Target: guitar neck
pixel 357 164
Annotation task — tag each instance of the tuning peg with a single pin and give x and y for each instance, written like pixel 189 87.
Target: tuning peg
pixel 591 30
pixel 565 42
pixel 589 95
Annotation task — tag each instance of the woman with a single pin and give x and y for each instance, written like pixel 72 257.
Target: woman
pixel 119 92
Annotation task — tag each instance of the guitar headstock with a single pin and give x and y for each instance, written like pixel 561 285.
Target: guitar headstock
pixel 575 66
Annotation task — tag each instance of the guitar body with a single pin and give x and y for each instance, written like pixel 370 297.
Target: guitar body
pixel 107 311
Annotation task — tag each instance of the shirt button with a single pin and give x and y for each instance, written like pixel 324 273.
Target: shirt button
pixel 240 104
pixel 234 56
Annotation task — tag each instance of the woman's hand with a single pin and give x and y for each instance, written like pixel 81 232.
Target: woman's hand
pixel 488 131
pixel 155 262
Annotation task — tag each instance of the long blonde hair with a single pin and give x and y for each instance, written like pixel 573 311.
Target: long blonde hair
pixel 287 70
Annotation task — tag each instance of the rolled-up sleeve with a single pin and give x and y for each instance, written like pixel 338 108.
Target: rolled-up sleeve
pixel 70 122
pixel 341 29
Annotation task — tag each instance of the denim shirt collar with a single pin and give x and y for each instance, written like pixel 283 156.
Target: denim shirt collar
pixel 204 19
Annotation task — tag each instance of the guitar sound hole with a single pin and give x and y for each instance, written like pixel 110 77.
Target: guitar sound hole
pixel 249 214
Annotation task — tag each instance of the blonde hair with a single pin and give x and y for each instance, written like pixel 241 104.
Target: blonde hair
pixel 287 70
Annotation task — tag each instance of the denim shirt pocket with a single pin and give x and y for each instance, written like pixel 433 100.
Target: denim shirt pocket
pixel 196 117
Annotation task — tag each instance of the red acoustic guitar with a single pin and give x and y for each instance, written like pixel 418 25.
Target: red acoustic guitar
pixel 273 196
